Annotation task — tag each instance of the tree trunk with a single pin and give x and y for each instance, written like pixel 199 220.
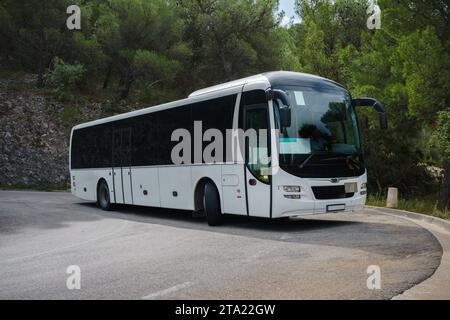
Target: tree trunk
pixel 445 191
pixel 40 70
pixel 108 76
pixel 226 66
pixel 380 189
pixel 126 89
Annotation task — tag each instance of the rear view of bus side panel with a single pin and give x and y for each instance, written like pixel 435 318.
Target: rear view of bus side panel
pixel 84 183
pixel 175 187
pixel 90 161
pixel 145 184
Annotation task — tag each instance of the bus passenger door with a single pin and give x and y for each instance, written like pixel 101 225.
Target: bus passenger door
pixel 117 166
pixel 126 166
pixel 121 166
pixel 257 151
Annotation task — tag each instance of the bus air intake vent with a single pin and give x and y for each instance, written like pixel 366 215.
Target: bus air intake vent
pixel 331 192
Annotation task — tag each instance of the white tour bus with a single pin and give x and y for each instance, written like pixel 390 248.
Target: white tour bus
pixel 316 163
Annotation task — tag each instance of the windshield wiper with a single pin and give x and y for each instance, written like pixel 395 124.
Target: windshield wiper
pixel 304 162
pixel 334 156
pixel 337 156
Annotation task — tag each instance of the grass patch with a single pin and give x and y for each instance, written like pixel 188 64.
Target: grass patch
pixel 70 115
pixel 40 186
pixel 425 205
pixel 8 72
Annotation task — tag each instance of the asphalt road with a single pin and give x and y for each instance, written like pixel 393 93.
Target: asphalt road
pixel 136 253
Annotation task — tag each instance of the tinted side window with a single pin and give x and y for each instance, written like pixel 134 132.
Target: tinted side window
pixel 91 147
pixel 253 97
pixel 75 152
pixel 145 140
pixel 217 114
pixel 103 146
pixel 151 135
pixel 167 122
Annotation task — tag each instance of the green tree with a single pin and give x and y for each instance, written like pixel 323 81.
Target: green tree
pixel 65 76
pixel 229 39
pixel 442 138
pixel 425 68
pixel 141 39
pixel 289 52
pixel 35 31
pixel 314 56
pixel 327 26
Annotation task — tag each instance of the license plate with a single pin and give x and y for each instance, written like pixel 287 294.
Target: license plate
pixel 335 207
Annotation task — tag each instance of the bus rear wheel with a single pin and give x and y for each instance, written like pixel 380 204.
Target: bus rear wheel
pixel 103 199
pixel 211 204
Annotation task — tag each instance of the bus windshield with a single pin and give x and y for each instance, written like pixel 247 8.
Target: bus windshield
pixel 323 138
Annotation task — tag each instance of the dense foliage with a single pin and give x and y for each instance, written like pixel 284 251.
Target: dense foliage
pixel 159 50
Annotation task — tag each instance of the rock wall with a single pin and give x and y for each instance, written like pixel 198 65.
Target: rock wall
pixel 34 143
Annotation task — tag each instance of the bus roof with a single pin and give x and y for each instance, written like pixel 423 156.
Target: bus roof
pixel 285 78
pixel 227 85
pixel 273 78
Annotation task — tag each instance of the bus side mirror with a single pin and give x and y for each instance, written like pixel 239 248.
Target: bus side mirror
pixel 377 106
pixel 285 109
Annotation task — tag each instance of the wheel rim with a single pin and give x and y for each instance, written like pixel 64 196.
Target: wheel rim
pixel 103 196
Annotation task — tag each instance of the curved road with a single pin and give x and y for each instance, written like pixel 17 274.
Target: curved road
pixel 148 253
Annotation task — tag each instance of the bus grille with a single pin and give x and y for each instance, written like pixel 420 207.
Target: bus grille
pixel 331 192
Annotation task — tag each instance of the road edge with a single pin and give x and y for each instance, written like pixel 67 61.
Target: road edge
pixel 437 286
pixel 445 224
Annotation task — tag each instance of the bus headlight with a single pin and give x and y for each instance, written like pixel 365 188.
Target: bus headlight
pixel 363 188
pixel 291 188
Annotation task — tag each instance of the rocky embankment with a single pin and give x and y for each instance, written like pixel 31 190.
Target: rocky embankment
pixel 34 141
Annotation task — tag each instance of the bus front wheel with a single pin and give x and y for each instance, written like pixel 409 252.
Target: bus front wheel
pixel 103 199
pixel 211 204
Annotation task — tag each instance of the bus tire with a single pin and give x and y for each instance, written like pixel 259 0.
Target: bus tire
pixel 211 204
pixel 103 199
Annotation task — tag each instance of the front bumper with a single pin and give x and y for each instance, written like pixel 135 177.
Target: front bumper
pixel 308 203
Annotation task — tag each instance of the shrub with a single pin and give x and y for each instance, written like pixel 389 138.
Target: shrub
pixel 70 115
pixel 65 76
